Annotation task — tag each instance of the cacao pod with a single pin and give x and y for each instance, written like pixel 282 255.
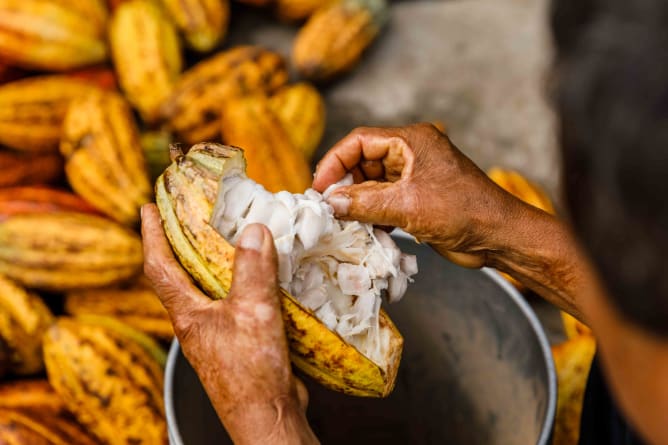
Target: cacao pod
pixel 30 428
pixel 32 110
pixel 155 145
pixel 100 76
pixel 31 395
pixel 572 360
pixel 147 54
pixel 108 381
pixel 193 109
pixel 135 304
pixel 202 22
pixel 272 159
pixel 23 320
pixel 66 250
pixel 35 199
pixel 104 160
pixel 185 195
pixel 53 35
pixel 574 327
pixel 301 110
pixel 335 36
pixel 255 2
pixel 29 168
pixel 292 10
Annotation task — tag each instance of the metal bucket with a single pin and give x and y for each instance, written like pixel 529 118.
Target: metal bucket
pixel 476 369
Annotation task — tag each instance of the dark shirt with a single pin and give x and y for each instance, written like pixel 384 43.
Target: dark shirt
pixel 602 423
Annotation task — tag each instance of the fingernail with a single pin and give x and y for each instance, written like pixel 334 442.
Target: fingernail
pixel 141 212
pixel 340 203
pixel 252 238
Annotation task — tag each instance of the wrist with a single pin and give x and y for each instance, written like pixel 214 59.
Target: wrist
pixel 279 421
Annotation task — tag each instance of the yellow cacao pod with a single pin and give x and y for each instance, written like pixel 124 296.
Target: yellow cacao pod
pixel 519 186
pixel 54 35
pixel 185 195
pixel 272 160
pixel 574 327
pixel 203 23
pixel 111 384
pixel 335 36
pixel 104 160
pixel 33 395
pixel 64 250
pixel 32 110
pixel 572 360
pixel 23 320
pixel 292 10
pixel 38 428
pixel 147 54
pixel 135 304
pixel 193 110
pixel 301 110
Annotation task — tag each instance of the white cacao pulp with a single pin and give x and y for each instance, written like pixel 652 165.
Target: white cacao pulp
pixel 338 269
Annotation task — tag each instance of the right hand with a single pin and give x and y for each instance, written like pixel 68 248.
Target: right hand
pixel 414 178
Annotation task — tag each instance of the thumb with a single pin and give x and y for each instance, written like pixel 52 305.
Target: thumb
pixel 255 273
pixel 372 202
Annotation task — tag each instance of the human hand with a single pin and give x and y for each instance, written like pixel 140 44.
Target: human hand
pixel 237 345
pixel 414 178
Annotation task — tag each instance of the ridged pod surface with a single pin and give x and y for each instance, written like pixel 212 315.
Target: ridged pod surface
pixel 32 110
pixel 203 23
pixel 29 168
pixel 573 360
pixel 66 250
pixel 39 199
pixel 147 55
pixel 53 35
pixel 335 36
pixel 194 108
pixel 185 195
pixel 292 10
pixel 104 160
pixel 111 384
pixel 24 427
pixel 272 159
pixel 135 304
pixel 301 110
pixel 33 395
pixel 23 320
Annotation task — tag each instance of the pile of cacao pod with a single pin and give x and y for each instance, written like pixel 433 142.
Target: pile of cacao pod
pixel 92 93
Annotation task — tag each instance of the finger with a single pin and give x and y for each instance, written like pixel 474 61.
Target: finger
pixel 255 274
pixel 171 283
pixel 373 170
pixel 371 144
pixel 372 202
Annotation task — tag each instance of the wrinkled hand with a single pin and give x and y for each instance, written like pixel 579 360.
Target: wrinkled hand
pixel 237 346
pixel 414 178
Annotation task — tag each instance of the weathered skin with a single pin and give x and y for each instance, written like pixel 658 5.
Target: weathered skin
pixel 257 398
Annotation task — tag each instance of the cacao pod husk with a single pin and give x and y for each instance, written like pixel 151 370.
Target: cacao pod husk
pixel 135 304
pixel 29 168
pixel 147 54
pixel 155 145
pixel 65 250
pixel 52 35
pixel 32 110
pixel 334 38
pixel 194 108
pixel 574 327
pixel 293 10
pixel 301 110
pixel 111 384
pixel 272 160
pixel 23 320
pixel 104 160
pixel 34 395
pixel 203 23
pixel 572 360
pixel 36 428
pixel 40 199
pixel 185 195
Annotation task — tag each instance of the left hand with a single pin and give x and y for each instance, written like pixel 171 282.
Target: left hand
pixel 237 345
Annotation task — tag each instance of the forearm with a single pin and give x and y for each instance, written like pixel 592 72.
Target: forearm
pixel 540 251
pixel 280 421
